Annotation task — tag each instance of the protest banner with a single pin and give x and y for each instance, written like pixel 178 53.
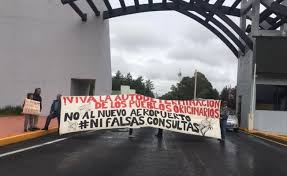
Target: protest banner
pixel 197 117
pixel 31 107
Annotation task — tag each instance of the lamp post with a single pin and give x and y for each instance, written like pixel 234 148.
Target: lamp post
pixel 195 84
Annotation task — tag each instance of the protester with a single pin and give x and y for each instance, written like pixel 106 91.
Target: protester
pixel 159 133
pixel 37 97
pixel 131 133
pixel 28 118
pixel 54 112
pixel 224 112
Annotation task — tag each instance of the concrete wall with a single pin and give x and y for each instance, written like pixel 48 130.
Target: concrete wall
pixel 45 44
pixel 244 82
pixel 274 121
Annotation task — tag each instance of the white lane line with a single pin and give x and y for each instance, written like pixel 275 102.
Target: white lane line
pixel 40 145
pixel 32 147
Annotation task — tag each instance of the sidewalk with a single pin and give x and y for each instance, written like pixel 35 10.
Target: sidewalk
pixel 269 135
pixel 12 129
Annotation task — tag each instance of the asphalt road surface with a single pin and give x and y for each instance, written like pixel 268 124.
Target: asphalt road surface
pixel 108 153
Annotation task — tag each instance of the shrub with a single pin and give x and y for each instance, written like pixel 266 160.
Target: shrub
pixel 11 110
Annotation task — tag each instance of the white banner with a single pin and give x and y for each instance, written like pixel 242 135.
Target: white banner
pixel 197 117
pixel 31 107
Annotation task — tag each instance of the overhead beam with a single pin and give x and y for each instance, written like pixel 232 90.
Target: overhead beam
pixel 161 7
pixel 279 9
pixel 67 1
pixel 93 7
pixel 220 25
pixel 265 25
pixel 234 5
pixel 246 7
pixel 267 3
pixel 227 21
pixel 123 4
pixel 278 24
pixel 267 12
pixel 217 5
pixel 275 6
pixel 78 11
pixel 108 5
pixel 213 30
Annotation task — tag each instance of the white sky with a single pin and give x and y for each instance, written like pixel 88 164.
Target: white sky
pixel 157 45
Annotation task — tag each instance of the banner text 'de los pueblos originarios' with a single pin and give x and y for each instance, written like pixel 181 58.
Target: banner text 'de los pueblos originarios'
pixel 82 113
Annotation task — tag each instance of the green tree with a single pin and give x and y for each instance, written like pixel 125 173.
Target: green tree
pixel 184 90
pixel 139 84
pixel 228 94
pixel 148 88
pixel 117 81
pixel 129 78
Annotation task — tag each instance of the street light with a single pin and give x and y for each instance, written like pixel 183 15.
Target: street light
pixel 195 83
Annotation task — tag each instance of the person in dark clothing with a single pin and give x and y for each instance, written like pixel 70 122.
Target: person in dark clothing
pixel 224 112
pixel 131 133
pixel 159 133
pixel 37 97
pixel 54 112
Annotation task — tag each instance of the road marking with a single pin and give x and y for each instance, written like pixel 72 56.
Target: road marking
pixel 32 147
pixel 41 145
pixel 265 138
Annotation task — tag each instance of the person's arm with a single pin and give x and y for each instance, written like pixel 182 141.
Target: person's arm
pixel 23 104
pixel 40 103
pixel 52 107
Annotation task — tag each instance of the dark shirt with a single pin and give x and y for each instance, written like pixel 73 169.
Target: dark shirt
pixel 37 97
pixel 56 107
pixel 224 112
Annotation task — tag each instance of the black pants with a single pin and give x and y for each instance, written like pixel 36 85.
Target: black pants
pixel 131 131
pixel 159 132
pixel 50 117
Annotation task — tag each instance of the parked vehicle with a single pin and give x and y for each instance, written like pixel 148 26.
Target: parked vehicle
pixel 232 122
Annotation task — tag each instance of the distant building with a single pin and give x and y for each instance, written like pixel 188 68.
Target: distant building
pixel 44 44
pixel 124 90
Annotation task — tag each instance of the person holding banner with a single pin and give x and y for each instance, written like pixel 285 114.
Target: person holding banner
pixel 224 112
pixel 28 117
pixel 54 112
pixel 37 97
pixel 131 133
pixel 159 133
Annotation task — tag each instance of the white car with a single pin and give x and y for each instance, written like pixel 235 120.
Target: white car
pixel 232 122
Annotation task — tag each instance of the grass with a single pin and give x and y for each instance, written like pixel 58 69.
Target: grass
pixel 10 110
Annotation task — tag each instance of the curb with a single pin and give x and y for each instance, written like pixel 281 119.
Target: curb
pixel 26 136
pixel 281 139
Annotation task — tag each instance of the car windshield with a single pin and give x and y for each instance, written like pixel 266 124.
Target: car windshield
pixel 232 112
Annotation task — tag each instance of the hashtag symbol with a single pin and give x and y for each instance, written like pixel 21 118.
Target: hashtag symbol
pixel 83 124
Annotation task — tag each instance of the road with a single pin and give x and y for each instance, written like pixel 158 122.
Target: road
pixel 108 153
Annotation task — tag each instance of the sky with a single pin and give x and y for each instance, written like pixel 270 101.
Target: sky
pixel 159 45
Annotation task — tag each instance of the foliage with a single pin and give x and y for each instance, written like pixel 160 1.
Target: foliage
pixel 11 110
pixel 139 84
pixel 228 94
pixel 184 90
